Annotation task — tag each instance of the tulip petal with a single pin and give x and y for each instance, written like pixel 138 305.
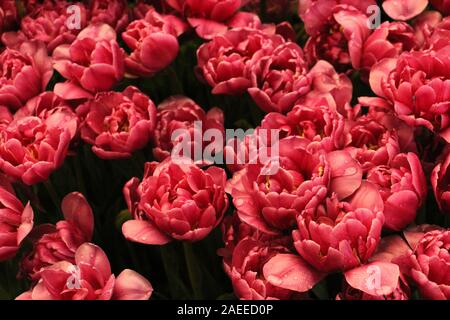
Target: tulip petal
pixel 291 272
pixel 130 285
pixel 144 232
pixel 376 278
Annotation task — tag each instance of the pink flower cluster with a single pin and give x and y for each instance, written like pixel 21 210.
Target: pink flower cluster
pixel 356 172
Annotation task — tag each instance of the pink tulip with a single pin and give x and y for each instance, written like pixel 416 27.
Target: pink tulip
pixel 415 86
pixel 48 23
pixel 279 78
pixel 94 62
pixel 89 278
pixel 117 123
pixel 36 142
pixel 403 188
pixel 440 180
pixel 174 201
pixel 55 243
pixel 333 236
pixel 387 41
pixel 328 88
pixel 24 73
pixel 315 13
pixel 337 32
pixel 424 26
pixel 262 267
pixel 112 12
pixel 372 144
pixel 209 17
pixel 318 125
pixel 270 203
pixel 224 62
pixel 427 265
pixel 440 37
pixel 16 221
pixel 153 41
pixel 178 113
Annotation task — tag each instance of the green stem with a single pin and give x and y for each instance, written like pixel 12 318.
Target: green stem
pixel 176 81
pixel 79 175
pixel 52 193
pixel 177 288
pixel 192 269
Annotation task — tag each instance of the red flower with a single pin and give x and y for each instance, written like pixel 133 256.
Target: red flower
pixel 318 125
pixel 89 278
pixel 263 267
pixel 117 123
pixel 57 243
pixel 271 202
pixel 93 62
pixel 416 86
pixel 387 41
pixel 279 78
pixel 24 73
pixel 174 201
pixel 337 33
pixel 224 62
pixel 440 180
pixel 178 113
pixel 35 143
pixel 16 221
pixel 335 235
pixel 402 186
pixel 153 41
pixel 48 23
pixel 428 264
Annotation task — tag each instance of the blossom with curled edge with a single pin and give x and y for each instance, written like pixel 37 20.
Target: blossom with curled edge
pixel 24 73
pixel 224 62
pixel 89 278
pixel 153 41
pixel 50 23
pixel 270 201
pixel 182 113
pixel 263 267
pixel 414 86
pixel 279 78
pixel 117 123
pixel 440 181
pixel 36 142
pixel 55 243
pixel 426 262
pixel 92 63
pixel 176 200
pixel 16 220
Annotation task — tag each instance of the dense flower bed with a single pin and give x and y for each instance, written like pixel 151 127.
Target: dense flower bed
pixel 119 178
